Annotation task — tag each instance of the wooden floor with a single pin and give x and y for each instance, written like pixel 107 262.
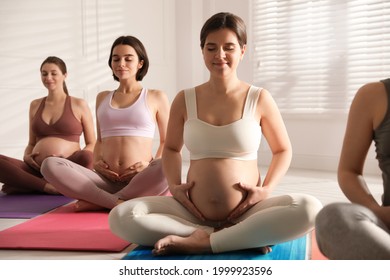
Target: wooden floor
pixel 322 185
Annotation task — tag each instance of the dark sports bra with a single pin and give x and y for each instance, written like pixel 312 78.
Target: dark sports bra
pixel 67 127
pixel 382 147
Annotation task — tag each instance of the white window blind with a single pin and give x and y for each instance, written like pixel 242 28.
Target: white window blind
pixel 314 55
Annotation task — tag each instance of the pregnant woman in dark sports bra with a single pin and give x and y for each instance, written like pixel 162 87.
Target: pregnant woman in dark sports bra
pixel 56 123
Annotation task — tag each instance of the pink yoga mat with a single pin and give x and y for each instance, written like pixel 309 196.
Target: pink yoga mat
pixel 64 229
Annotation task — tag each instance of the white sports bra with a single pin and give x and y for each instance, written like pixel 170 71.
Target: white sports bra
pixel 135 120
pixel 238 140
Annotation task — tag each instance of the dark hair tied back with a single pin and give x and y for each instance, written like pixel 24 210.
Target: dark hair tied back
pixel 61 64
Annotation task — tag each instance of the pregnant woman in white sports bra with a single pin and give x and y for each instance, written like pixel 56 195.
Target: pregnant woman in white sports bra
pixel 223 205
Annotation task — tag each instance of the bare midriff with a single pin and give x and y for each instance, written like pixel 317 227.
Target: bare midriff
pixel 120 152
pixel 54 146
pixel 215 192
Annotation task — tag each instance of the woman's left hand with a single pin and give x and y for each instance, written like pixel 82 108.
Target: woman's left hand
pixel 133 170
pixel 30 161
pixel 254 194
pixel 180 193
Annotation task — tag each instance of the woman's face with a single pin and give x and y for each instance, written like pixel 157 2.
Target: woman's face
pixel 125 62
pixel 222 52
pixel 52 77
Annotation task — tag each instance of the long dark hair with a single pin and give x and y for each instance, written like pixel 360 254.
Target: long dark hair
pixel 61 64
pixel 139 49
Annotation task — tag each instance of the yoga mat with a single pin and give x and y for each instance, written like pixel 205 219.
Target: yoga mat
pixel 64 229
pixel 315 253
pixel 292 250
pixel 25 206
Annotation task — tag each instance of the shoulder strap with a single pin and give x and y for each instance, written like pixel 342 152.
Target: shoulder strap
pixel 68 104
pixel 144 92
pixel 251 101
pixel 190 99
pixel 386 82
pixel 41 107
pixel 108 99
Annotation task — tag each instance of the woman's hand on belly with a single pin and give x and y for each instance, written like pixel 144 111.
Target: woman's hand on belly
pixel 104 169
pixel 217 192
pixel 254 194
pixel 133 170
pixel 30 161
pixel 181 194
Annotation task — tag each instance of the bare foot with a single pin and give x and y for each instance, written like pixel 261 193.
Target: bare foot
pixel 119 201
pixel 197 243
pixel 50 189
pixel 265 250
pixel 85 206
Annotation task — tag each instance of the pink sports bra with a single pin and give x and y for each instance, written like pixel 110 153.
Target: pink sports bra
pixel 135 120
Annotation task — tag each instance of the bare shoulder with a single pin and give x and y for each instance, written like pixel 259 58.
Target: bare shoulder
pixel 371 90
pixel 178 106
pixel 264 93
pixel 266 102
pixel 78 102
pixel 35 104
pixel 370 103
pixel 80 107
pixel 370 95
pixel 179 99
pixel 156 94
pixel 101 95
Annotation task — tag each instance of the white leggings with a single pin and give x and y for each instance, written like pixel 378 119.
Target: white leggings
pixel 146 220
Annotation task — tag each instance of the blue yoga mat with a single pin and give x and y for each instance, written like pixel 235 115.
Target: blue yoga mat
pixel 291 250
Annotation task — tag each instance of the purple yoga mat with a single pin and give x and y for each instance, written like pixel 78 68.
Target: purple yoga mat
pixel 25 206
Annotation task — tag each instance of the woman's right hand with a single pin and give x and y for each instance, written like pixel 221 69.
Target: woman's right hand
pixel 180 193
pixel 103 168
pixel 29 159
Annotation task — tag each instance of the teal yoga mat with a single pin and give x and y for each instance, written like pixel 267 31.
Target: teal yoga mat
pixel 291 250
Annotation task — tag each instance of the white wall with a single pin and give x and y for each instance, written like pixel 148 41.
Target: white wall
pixel 82 31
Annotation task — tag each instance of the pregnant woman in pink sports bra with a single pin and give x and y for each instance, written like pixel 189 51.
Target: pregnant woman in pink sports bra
pixel 126 120
pixel 223 205
pixel 56 124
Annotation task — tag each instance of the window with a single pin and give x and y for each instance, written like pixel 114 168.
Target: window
pixel 314 55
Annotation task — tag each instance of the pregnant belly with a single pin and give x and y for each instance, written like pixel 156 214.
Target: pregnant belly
pixel 217 204
pixel 128 151
pixel 216 192
pixel 52 146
